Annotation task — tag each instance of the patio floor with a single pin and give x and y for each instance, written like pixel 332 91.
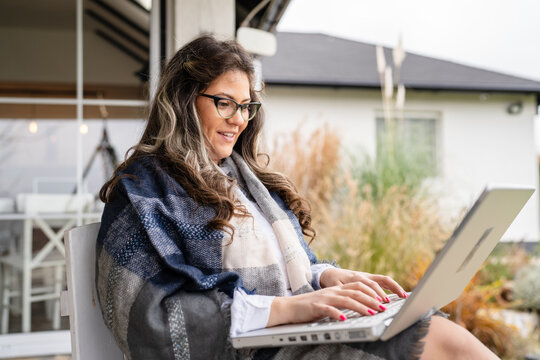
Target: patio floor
pixel 40 323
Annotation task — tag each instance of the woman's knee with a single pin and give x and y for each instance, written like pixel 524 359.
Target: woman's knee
pixel 446 339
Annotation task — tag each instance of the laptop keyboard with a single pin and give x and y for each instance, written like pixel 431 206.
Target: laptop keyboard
pixel 355 318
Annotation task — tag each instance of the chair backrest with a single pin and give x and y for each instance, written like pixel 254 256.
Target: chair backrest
pixel 90 338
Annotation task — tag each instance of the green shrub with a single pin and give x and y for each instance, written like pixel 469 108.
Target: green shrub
pixel 395 164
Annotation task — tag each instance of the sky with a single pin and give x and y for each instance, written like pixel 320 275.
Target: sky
pixel 500 35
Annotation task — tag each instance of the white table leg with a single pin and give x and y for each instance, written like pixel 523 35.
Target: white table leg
pixel 58 282
pixel 26 291
pixel 6 288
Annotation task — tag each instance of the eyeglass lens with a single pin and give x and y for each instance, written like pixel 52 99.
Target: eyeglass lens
pixel 227 108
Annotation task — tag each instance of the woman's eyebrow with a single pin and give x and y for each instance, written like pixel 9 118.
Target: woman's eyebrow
pixel 232 97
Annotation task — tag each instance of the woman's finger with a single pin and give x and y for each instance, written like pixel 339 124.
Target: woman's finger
pixel 390 284
pixel 346 301
pixel 330 311
pixel 364 299
pixel 377 289
pixel 361 286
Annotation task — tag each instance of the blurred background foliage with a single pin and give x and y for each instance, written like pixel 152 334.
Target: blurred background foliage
pixel 373 214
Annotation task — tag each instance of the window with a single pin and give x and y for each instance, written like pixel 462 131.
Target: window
pixel 417 134
pixel 74 83
pixel 41 91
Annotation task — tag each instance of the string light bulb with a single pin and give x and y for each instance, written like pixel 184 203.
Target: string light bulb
pixel 33 127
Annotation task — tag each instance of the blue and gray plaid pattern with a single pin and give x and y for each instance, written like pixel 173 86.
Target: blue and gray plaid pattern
pixel 158 262
pixel 161 283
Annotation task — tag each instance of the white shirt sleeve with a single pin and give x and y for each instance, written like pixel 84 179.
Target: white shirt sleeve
pixel 316 272
pixel 249 312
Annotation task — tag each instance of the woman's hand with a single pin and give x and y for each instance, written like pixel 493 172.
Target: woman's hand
pixel 325 302
pixel 376 283
pixel 341 289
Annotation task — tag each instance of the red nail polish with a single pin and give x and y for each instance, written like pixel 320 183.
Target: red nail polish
pixel 405 295
pixel 387 299
pixel 379 298
pixel 382 307
pixel 342 317
pixel 371 311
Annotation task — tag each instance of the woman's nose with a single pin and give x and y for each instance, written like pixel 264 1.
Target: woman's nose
pixel 236 119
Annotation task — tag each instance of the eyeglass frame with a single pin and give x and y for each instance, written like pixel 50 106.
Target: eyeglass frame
pixel 217 98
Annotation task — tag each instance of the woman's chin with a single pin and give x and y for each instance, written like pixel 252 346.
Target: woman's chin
pixel 222 155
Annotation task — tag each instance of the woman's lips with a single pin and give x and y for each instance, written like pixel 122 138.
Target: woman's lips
pixel 227 136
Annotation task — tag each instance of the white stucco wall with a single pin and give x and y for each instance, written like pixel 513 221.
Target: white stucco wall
pixel 479 142
pixel 350 111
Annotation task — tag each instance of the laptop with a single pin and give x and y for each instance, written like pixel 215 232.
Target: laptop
pixel 449 273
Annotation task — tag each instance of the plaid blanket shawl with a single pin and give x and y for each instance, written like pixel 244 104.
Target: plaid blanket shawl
pixel 165 280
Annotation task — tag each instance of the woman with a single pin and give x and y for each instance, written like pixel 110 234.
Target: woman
pixel 199 240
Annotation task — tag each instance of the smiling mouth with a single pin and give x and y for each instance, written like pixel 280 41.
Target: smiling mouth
pixel 227 134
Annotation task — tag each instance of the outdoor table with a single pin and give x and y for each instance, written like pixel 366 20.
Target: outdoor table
pixel 26 261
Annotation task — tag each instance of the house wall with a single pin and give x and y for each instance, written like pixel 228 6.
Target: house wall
pixel 479 142
pixel 347 110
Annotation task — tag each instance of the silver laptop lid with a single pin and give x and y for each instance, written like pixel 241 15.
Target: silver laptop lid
pixel 463 254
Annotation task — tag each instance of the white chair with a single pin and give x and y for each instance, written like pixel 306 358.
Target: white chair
pixel 90 338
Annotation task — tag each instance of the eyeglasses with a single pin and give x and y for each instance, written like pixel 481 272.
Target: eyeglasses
pixel 226 107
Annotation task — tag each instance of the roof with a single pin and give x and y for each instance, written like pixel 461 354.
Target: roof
pixel 323 60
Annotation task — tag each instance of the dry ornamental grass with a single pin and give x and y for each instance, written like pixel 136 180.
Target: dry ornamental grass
pixel 376 219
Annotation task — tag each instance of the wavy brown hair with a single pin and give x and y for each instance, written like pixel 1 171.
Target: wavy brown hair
pixel 174 136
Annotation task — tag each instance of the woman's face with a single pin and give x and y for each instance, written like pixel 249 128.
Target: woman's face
pixel 223 133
